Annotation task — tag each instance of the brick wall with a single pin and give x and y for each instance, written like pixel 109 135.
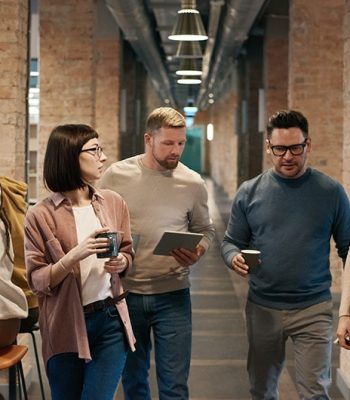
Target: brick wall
pixel 316 56
pixel 13 87
pixel 67 66
pixel 346 113
pixel 345 355
pixel 223 148
pixel 316 77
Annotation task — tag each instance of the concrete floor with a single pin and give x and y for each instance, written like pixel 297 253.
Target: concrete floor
pixel 218 368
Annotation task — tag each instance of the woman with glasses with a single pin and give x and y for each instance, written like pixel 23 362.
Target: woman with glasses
pixel 84 321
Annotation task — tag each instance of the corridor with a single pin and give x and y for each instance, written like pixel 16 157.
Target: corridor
pixel 109 63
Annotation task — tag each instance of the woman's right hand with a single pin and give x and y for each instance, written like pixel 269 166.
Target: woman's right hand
pixel 91 245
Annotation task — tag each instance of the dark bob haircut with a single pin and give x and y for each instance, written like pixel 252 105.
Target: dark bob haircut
pixel 61 163
pixel 288 119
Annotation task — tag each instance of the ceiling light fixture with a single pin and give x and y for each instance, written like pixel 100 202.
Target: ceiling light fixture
pixel 210 132
pixel 189 25
pixel 189 49
pixel 190 110
pixel 185 80
pixel 189 67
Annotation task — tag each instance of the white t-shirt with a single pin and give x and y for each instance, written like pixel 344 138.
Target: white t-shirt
pixel 95 281
pixel 13 303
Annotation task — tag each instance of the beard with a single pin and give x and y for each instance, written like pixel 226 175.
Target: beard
pixel 167 163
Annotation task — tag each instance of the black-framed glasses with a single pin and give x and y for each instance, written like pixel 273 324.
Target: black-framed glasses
pixel 96 151
pixel 295 149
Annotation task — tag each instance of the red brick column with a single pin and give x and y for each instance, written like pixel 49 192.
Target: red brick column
pixel 346 114
pixel 343 374
pixel 316 55
pixel 107 96
pixel 316 77
pixel 67 65
pixel 108 69
pixel 13 86
pixel 223 149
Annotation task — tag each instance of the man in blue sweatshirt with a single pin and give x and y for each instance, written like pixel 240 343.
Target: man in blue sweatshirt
pixel 289 213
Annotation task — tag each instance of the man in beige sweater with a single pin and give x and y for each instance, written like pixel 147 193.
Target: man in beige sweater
pixel 162 194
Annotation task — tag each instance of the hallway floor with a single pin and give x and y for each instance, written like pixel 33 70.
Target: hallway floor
pixel 218 368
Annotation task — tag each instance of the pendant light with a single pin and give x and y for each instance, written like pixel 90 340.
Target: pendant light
pixel 189 67
pixel 189 49
pixel 189 24
pixel 187 80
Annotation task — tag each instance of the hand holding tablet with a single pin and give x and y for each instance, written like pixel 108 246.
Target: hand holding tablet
pixel 174 240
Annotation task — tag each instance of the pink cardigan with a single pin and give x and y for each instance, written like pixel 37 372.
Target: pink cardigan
pixel 50 233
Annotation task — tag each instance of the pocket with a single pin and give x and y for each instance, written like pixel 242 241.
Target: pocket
pixel 112 312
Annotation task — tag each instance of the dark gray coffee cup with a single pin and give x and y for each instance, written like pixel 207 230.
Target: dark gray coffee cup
pixel 251 258
pixel 113 245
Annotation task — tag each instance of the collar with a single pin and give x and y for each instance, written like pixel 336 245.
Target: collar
pixel 292 181
pixel 58 198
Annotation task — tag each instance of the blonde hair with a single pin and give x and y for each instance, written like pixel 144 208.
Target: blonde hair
pixel 164 117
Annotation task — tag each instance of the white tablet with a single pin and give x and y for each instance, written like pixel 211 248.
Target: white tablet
pixel 174 240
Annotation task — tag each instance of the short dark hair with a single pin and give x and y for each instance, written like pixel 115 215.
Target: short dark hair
pixel 164 117
pixel 288 119
pixel 61 163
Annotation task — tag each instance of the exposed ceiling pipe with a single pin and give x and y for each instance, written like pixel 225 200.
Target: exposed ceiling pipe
pixel 213 24
pixel 133 20
pixel 239 18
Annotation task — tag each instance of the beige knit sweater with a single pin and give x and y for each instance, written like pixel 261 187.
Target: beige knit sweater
pixel 174 200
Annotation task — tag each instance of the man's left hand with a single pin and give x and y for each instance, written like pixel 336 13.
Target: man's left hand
pixel 186 257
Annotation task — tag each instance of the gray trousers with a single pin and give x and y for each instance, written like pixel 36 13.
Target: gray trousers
pixel 310 329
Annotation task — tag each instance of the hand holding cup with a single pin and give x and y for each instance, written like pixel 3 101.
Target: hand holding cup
pixel 251 258
pixel 113 244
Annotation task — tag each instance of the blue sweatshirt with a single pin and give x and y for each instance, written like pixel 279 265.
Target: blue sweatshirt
pixel 291 221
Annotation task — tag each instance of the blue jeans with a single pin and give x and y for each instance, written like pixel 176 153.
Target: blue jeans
pixel 169 316
pixel 71 378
